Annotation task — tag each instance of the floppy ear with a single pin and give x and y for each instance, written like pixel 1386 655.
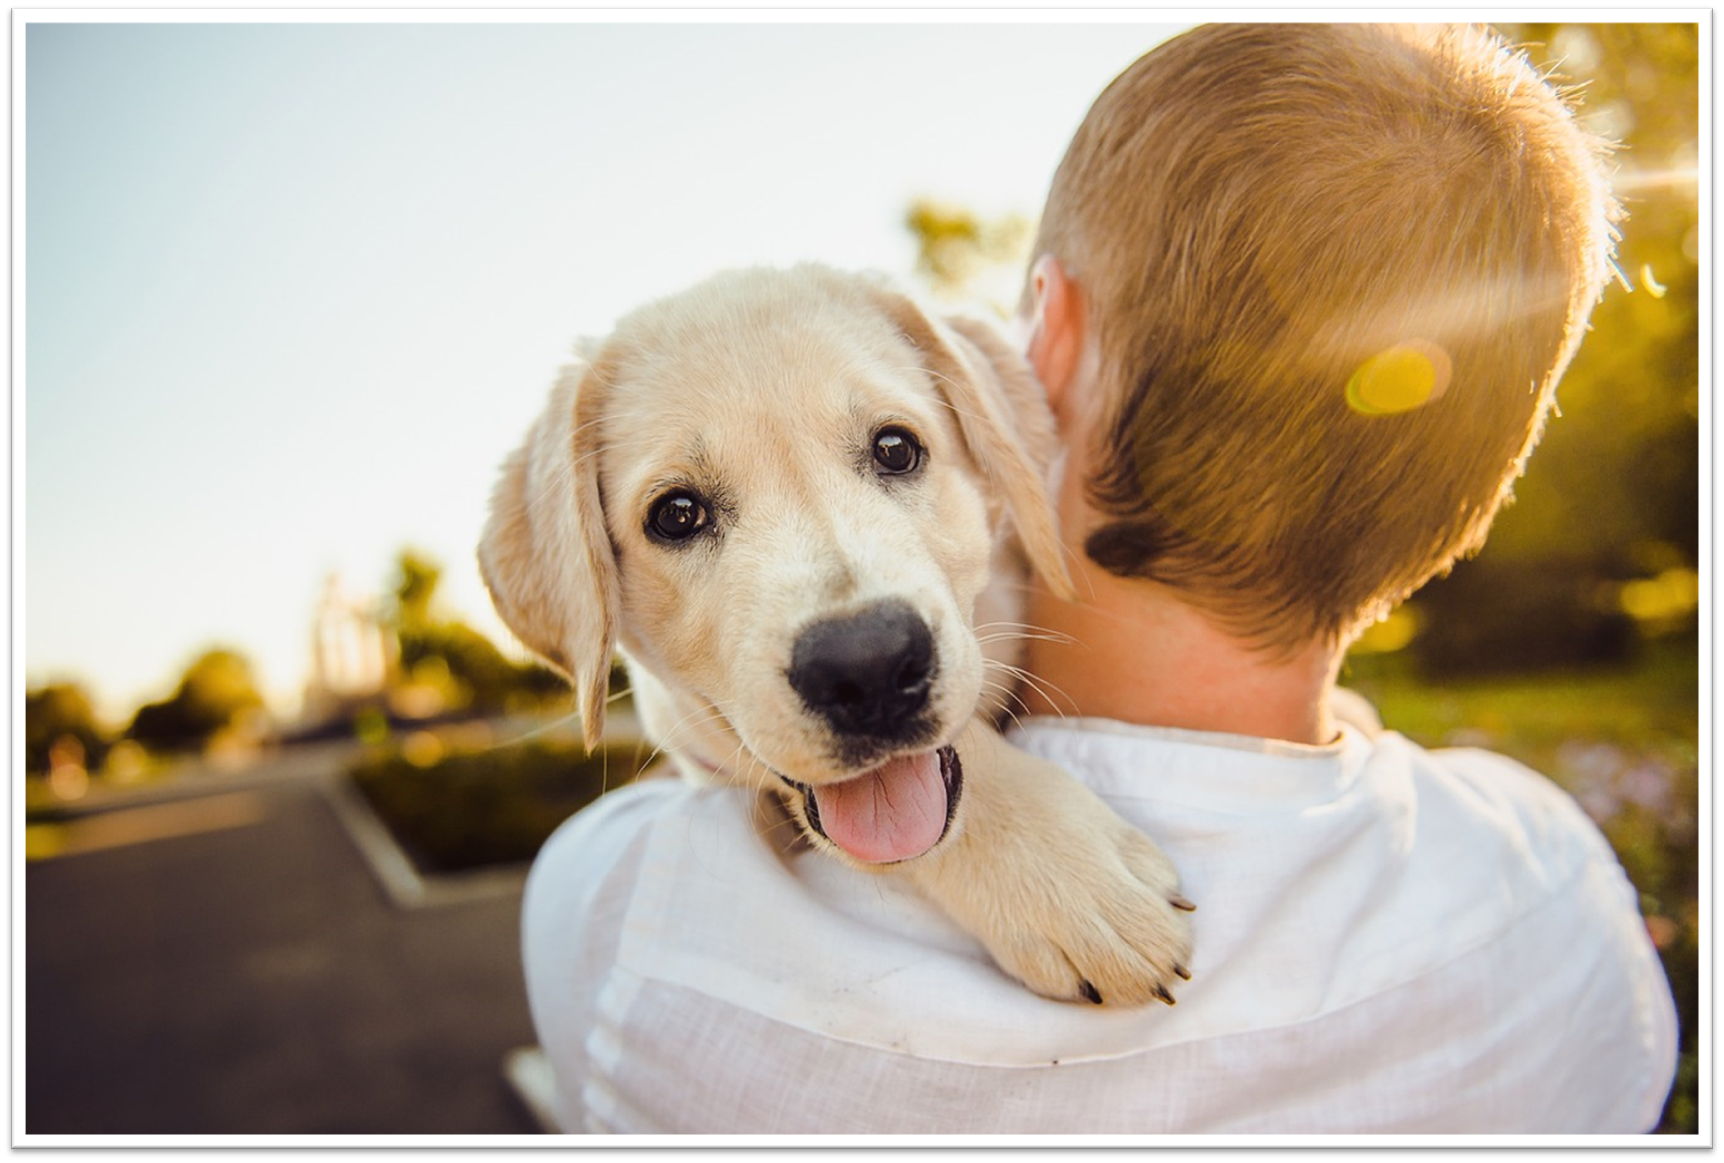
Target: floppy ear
pixel 545 554
pixel 1004 417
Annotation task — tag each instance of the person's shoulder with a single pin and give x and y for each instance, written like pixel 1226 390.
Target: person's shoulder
pixel 1492 823
pixel 1518 801
pixel 599 845
pixel 1575 938
pixel 1514 790
pixel 631 806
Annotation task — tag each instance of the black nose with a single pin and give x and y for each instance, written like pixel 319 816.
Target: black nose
pixel 866 674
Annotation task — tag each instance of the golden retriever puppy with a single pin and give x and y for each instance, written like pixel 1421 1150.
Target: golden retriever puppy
pixel 802 510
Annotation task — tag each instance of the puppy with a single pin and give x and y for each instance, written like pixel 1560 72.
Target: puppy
pixel 802 510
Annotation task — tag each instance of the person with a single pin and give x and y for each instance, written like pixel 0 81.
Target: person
pixel 1300 299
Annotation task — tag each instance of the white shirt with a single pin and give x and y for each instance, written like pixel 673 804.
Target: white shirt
pixel 1387 940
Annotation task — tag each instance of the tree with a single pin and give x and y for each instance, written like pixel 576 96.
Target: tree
pixel 962 254
pixel 416 584
pixel 463 666
pixel 1620 465
pixel 1610 500
pixel 215 690
pixel 57 712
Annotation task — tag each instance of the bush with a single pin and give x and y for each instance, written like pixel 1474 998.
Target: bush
pixel 488 807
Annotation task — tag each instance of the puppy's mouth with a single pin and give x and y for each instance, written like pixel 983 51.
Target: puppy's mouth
pixel 896 811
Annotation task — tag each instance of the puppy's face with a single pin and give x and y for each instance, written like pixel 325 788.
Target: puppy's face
pixel 798 527
pixel 769 492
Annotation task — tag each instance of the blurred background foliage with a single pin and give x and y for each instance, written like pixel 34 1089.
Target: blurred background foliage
pixel 966 256
pixel 456 805
pixel 439 670
pixel 59 713
pixel 1599 554
pixel 446 666
pixel 216 694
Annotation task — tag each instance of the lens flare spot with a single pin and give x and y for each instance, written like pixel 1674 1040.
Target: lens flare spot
pixel 1399 379
pixel 1653 287
pixel 1393 632
pixel 1672 594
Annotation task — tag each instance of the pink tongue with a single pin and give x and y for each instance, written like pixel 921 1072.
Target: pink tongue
pixel 894 812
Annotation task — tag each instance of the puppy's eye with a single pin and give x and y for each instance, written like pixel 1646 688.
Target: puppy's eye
pixel 677 516
pixel 896 452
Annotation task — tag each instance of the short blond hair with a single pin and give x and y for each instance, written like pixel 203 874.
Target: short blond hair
pixel 1334 273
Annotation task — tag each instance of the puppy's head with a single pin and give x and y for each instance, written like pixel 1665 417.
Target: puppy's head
pixel 779 494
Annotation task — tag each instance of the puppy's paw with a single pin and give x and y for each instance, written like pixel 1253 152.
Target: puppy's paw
pixel 1067 897
pixel 1107 928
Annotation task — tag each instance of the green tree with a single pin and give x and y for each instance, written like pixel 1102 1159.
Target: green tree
pixel 962 254
pixel 56 712
pixel 1600 550
pixel 216 689
pixel 468 671
pixel 1600 547
pixel 417 577
pixel 1620 466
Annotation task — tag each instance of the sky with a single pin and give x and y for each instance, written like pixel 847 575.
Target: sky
pixel 293 291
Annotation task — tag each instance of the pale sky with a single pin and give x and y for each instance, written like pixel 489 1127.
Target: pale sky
pixel 293 291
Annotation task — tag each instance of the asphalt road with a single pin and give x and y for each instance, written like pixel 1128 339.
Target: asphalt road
pixel 226 963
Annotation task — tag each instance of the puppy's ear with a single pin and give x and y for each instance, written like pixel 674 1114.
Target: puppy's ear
pixel 1003 415
pixel 545 554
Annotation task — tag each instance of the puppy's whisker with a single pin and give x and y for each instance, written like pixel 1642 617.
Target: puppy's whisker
pixel 555 482
pixel 561 722
pixel 565 470
pixel 943 401
pixel 699 717
pixel 1007 697
pixel 786 822
pixel 730 764
pixel 1042 688
pixel 1006 636
pixel 1028 630
pixel 692 721
pixel 652 757
pixel 1006 709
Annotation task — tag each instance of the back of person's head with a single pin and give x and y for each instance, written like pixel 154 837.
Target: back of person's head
pixel 1333 274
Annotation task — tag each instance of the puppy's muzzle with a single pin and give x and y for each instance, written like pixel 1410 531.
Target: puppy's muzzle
pixel 867 675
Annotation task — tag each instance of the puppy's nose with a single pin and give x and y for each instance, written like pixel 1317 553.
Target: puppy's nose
pixel 867 673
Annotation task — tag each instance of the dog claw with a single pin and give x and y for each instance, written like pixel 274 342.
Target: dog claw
pixel 1184 973
pixel 1089 992
pixel 1161 992
pixel 1181 904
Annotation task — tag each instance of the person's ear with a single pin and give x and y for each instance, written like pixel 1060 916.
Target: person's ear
pixel 1056 331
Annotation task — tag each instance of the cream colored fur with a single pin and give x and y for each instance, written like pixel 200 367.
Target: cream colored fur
pixel 765 387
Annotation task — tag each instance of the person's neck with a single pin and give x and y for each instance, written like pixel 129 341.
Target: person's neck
pixel 1130 650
